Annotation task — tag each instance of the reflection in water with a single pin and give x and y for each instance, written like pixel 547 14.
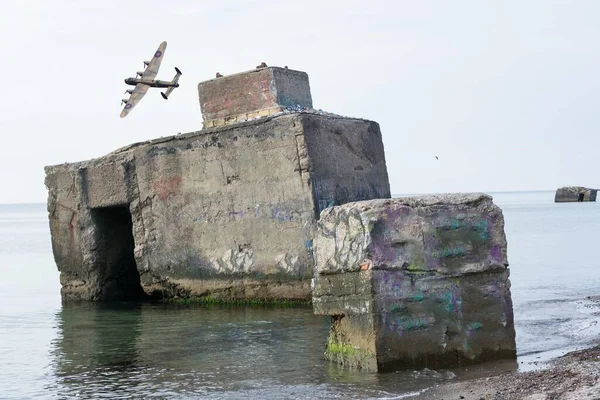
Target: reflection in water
pixel 97 342
pixel 142 350
pixel 132 349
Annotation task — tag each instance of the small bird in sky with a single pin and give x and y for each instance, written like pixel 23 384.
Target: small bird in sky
pixel 436 157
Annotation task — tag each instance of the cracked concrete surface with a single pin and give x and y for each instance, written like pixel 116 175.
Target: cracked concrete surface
pixel 227 211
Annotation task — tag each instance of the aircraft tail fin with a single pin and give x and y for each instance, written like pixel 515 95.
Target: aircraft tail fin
pixel 166 94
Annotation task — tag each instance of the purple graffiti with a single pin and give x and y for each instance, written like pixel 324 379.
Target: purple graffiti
pixel 496 253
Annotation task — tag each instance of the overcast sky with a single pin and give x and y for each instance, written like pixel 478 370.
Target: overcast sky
pixel 505 93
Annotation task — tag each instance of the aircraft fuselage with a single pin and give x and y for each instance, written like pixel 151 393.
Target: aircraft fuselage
pixel 153 83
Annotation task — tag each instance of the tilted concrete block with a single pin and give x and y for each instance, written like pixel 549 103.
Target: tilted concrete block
pixel 434 279
pixel 251 94
pixel 451 234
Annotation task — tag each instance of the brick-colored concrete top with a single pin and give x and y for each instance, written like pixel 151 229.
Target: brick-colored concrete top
pixel 252 94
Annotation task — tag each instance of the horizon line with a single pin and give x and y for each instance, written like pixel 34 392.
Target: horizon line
pixel 393 195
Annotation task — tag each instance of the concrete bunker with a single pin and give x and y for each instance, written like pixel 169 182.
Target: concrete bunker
pixel 227 213
pixel 575 194
pixel 115 250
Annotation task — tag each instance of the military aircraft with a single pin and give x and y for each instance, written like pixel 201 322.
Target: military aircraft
pixel 144 80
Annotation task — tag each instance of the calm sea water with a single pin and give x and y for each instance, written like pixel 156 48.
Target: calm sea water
pixel 151 351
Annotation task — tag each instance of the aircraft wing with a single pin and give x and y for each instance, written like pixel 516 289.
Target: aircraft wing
pixel 139 92
pixel 152 69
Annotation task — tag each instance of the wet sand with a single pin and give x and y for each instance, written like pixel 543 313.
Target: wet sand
pixel 575 375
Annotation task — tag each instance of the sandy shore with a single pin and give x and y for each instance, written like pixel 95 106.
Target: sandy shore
pixel 573 376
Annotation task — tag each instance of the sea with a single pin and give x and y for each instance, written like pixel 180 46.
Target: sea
pixel 127 350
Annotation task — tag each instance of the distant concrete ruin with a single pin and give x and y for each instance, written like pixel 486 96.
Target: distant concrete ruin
pixel 414 282
pixel 228 212
pixel 575 194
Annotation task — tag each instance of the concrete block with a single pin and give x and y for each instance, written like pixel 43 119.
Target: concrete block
pixel 433 272
pixel 450 234
pixel 256 90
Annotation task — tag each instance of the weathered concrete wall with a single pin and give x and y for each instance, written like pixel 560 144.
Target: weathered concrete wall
pixel 226 212
pixel 248 95
pixel 345 168
pixel 574 194
pixel 414 282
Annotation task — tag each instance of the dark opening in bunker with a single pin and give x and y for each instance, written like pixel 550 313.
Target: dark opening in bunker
pixel 119 273
pixel 581 196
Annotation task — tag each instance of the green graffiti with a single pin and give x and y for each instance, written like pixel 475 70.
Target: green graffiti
pixel 414 324
pixel 482 227
pixel 449 302
pixel 450 252
pixel 397 308
pixel 418 297
pixel 408 324
pixel 475 326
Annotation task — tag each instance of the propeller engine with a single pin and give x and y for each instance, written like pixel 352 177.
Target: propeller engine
pixel 124 101
pixel 146 63
pixel 139 73
pixel 129 91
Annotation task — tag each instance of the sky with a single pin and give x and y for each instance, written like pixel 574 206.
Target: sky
pixel 505 93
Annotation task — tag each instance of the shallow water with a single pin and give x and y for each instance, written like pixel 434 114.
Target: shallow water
pixel 553 255
pixel 144 351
